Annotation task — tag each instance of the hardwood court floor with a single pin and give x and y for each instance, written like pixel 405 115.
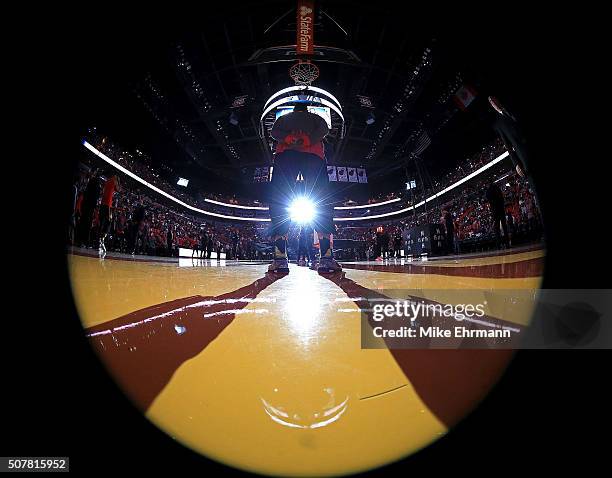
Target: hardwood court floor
pixel 267 373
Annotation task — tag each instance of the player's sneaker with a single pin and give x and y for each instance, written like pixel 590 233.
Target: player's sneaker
pixel 279 265
pixel 328 265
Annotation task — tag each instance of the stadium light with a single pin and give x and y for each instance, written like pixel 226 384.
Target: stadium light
pixel 302 210
pixel 182 182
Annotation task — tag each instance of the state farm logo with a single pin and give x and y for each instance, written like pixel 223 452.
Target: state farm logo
pixel 304 31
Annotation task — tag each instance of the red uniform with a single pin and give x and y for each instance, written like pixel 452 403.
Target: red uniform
pixel 305 147
pixel 300 131
pixel 110 186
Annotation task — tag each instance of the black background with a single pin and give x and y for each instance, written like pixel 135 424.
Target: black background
pixel 549 412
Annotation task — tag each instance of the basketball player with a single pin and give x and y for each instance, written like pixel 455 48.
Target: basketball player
pixel 382 241
pixel 299 149
pixel 88 206
pixel 195 248
pixel 449 225
pixel 397 242
pixel 235 241
pixel 169 240
pixel 218 249
pixel 106 204
pixel 203 244
pixel 210 244
pixel 137 225
pixel 495 198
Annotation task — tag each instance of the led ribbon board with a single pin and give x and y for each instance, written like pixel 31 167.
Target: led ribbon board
pixel 164 193
pixel 255 219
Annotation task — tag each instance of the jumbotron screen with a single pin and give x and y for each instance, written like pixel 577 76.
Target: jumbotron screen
pixel 322 111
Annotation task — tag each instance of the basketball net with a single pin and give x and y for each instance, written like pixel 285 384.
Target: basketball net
pixel 304 72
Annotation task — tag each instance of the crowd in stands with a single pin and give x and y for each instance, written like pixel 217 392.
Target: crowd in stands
pixel 165 228
pixel 471 211
pixel 471 217
pixel 141 224
pixel 140 164
pixel 384 197
pixel 471 164
pixel 487 154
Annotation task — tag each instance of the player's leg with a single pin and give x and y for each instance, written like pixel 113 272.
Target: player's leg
pixel 314 251
pixel 317 187
pixel 504 225
pixel 132 237
pixel 307 254
pixel 104 226
pixel 496 230
pixel 281 191
pixel 280 194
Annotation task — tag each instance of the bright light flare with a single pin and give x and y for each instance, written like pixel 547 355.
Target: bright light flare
pixel 302 210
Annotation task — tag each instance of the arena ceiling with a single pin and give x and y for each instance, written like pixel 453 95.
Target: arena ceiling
pixel 184 88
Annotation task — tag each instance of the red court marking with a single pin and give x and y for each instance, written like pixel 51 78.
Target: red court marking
pixel 506 252
pixel 510 270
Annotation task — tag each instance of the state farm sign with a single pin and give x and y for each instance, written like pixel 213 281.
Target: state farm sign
pixel 305 27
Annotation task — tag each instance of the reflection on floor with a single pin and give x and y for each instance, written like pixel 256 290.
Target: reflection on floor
pixel 266 372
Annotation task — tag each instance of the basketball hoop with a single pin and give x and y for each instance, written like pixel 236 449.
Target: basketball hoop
pixel 303 72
